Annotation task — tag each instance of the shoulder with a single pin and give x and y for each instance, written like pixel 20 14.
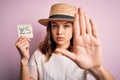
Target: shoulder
pixel 37 55
pixel 37 52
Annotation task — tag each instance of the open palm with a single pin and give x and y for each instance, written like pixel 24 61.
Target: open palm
pixel 86 44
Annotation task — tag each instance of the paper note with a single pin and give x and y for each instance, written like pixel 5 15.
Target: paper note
pixel 25 30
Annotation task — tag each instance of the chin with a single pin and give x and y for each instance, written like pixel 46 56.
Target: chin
pixel 61 44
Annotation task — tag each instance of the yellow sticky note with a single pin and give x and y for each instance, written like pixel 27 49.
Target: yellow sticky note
pixel 25 30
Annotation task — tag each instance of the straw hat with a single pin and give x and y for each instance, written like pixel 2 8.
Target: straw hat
pixel 60 11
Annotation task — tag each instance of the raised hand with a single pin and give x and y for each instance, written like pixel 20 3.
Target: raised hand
pixel 23 45
pixel 86 44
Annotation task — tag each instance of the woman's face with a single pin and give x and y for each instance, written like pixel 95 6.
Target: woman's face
pixel 62 33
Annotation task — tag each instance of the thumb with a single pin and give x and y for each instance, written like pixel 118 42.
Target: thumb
pixel 66 53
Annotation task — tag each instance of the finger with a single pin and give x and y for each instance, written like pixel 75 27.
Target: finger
pixel 94 32
pixel 88 26
pixel 76 26
pixel 23 37
pixel 24 44
pixel 21 41
pixel 66 53
pixel 82 21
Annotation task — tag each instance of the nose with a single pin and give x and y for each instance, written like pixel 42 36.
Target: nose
pixel 60 30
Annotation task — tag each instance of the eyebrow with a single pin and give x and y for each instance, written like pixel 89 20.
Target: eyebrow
pixel 64 23
pixel 53 22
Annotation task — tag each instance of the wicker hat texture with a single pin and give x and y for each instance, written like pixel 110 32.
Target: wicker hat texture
pixel 60 11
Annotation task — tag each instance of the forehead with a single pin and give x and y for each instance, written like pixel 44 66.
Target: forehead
pixel 61 22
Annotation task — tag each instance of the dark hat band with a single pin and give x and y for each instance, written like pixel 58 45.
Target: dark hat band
pixel 61 16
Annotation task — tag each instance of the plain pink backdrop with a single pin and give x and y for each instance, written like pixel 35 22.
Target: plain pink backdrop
pixel 105 13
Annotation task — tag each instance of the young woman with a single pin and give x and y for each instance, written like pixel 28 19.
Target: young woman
pixel 70 49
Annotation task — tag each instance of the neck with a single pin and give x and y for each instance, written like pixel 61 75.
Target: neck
pixel 63 46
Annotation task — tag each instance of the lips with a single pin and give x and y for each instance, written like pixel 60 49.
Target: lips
pixel 60 38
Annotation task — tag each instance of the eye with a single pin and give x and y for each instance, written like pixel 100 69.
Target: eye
pixel 66 26
pixel 54 26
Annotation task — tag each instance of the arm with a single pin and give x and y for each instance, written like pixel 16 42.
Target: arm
pixel 87 52
pixel 22 45
pixel 101 74
pixel 24 71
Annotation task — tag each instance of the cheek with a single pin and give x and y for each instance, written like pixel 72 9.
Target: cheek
pixel 69 33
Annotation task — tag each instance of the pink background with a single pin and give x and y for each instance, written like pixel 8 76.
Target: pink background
pixel 105 13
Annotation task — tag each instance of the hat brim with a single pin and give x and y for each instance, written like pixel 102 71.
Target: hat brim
pixel 45 21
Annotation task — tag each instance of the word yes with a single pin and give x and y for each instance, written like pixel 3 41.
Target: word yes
pixel 25 30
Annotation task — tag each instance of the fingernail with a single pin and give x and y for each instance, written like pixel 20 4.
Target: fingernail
pixel 80 10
